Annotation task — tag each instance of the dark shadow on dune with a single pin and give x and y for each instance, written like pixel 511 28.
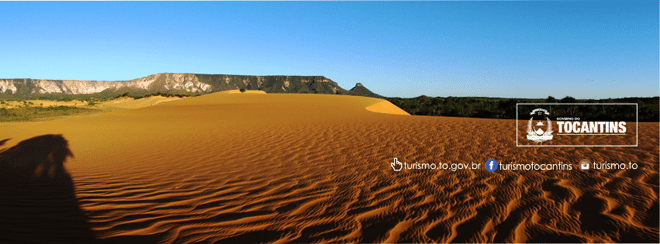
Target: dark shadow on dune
pixel 37 197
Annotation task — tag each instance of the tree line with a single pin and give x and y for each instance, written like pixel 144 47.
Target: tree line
pixel 505 108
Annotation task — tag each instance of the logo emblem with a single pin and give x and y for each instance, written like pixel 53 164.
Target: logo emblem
pixel 539 127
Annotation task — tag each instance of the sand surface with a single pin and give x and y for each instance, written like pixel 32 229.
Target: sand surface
pixel 281 168
pixel 386 107
pixel 239 91
pixel 128 102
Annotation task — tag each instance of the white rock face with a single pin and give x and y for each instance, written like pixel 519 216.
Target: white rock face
pixel 187 82
pixel 184 82
pixel 260 80
pixel 7 85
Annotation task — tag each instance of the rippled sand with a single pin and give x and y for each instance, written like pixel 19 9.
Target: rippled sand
pixel 280 168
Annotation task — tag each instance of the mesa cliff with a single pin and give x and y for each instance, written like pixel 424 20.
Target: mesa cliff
pixel 176 83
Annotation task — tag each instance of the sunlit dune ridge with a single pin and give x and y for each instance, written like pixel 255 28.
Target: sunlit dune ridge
pixel 281 168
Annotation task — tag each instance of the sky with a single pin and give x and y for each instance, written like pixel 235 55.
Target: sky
pixel 587 49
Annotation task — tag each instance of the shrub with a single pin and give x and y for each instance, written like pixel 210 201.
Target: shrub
pixel 65 99
pixel 568 99
pixel 242 90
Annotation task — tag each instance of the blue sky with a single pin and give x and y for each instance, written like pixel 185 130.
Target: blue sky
pixel 590 49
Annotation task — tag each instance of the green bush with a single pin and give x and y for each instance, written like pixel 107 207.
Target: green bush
pixel 568 99
pixel 31 113
pixel 242 90
pixel 65 99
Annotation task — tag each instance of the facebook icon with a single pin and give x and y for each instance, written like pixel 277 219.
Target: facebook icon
pixel 491 165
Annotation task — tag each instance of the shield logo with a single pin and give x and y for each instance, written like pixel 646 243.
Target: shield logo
pixel 538 123
pixel 539 127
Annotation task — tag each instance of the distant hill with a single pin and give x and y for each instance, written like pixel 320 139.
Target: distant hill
pixel 174 83
pixel 360 90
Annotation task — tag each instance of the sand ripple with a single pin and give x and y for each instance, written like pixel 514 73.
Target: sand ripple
pixel 249 168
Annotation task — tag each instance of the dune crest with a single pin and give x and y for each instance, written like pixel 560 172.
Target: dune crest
pixel 130 103
pixel 239 91
pixel 386 107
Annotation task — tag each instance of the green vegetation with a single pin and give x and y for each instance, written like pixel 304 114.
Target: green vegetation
pixel 65 99
pixel 144 95
pixel 505 108
pixel 29 113
pixel 242 90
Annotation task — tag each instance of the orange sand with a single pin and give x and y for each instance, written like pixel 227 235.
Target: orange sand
pixel 279 168
pixel 386 107
pixel 239 91
pixel 127 102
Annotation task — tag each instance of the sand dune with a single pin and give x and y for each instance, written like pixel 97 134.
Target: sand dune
pixel 239 91
pixel 280 168
pixel 127 102
pixel 386 107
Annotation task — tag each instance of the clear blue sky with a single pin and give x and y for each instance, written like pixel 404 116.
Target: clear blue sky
pixel 591 49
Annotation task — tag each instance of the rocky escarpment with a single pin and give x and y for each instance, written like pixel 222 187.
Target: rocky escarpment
pixel 175 83
pixel 157 82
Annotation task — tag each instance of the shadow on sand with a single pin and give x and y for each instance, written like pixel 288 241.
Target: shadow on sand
pixel 37 197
